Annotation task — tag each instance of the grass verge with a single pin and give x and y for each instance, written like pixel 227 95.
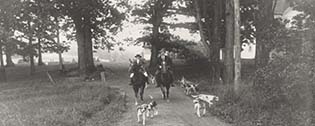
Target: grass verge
pixel 70 103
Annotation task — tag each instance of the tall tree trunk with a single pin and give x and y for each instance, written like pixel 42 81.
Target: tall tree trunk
pixel 229 46
pixel 89 49
pixel 216 41
pixel 157 18
pixel 1 55
pixel 2 69
pixel 85 50
pixel 32 64
pixel 154 57
pixel 8 53
pixel 61 66
pixel 237 45
pixel 307 88
pixel 9 61
pixel 154 45
pixel 201 31
pixel 40 59
pixel 265 17
pixel 31 48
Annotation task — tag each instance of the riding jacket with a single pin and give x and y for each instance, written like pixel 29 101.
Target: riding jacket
pixel 168 61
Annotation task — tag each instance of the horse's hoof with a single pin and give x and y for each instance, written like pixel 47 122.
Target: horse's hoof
pixel 136 103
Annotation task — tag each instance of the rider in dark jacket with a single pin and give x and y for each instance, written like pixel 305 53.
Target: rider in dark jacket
pixel 139 61
pixel 164 57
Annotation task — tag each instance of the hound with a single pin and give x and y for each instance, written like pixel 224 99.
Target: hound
pixel 200 102
pixel 147 110
pixel 207 98
pixel 190 87
pixel 198 106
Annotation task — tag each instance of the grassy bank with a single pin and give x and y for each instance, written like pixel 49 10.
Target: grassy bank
pixel 69 103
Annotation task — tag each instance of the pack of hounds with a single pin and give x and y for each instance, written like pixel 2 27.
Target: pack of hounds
pixel 200 102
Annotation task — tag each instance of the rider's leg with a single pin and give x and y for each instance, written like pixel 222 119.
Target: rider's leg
pixel 131 78
pixel 172 76
pixel 157 72
pixel 145 73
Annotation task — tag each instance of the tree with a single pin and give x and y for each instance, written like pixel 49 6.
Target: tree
pixel 306 23
pixel 25 24
pixel 216 43
pixel 61 66
pixel 1 55
pixel 45 26
pixel 153 12
pixel 2 69
pixel 229 43
pixel 10 49
pixel 237 45
pixel 8 10
pixel 201 27
pixel 93 21
pixel 265 19
pixel 52 28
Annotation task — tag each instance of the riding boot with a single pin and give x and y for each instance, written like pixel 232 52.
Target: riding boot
pixel 146 77
pixel 147 80
pixel 156 75
pixel 131 79
pixel 172 76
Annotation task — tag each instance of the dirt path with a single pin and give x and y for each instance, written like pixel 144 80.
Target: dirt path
pixel 178 112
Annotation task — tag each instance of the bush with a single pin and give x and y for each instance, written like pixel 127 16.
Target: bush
pixel 282 92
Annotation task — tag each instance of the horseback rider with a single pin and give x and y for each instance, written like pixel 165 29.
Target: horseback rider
pixel 138 62
pixel 164 56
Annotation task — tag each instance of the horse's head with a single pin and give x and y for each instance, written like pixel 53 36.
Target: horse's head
pixel 164 65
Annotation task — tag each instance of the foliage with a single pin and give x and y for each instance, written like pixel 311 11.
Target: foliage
pixel 282 91
pixel 103 16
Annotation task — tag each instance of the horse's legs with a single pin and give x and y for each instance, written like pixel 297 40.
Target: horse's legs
pixel 168 91
pixel 136 90
pixel 163 91
pixel 142 91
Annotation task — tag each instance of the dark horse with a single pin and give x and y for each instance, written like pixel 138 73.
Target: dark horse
pixel 164 79
pixel 138 80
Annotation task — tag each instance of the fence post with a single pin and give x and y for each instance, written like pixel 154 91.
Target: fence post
pixel 50 78
pixel 103 77
pixel 3 77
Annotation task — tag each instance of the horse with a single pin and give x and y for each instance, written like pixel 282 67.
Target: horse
pixel 164 79
pixel 138 83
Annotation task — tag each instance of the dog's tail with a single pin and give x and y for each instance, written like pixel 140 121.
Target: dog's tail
pixel 194 96
pixel 151 97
